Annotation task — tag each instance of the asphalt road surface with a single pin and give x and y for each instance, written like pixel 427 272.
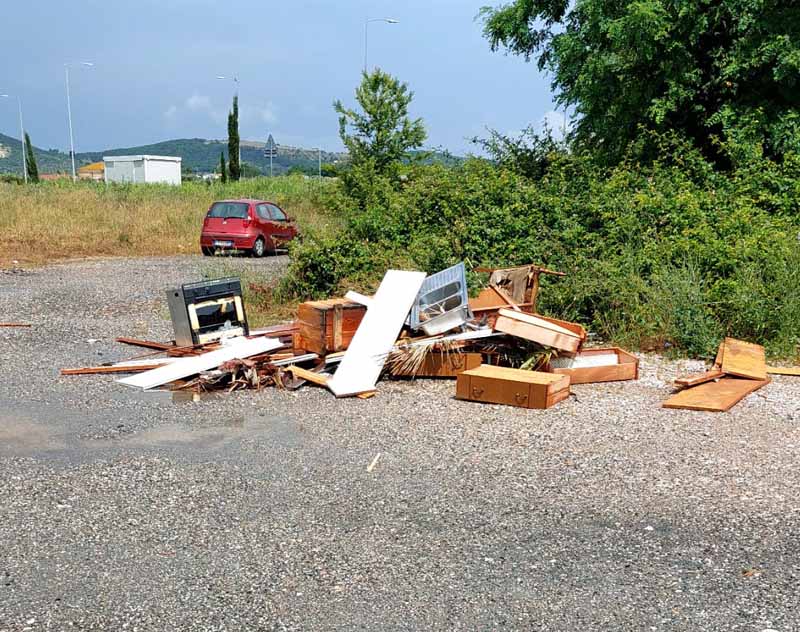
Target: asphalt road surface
pixel 122 510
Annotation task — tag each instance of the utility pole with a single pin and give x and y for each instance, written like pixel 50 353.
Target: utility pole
pixel 88 64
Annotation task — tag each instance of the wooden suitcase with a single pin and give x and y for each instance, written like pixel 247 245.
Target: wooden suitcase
pixel 515 387
pixel 327 326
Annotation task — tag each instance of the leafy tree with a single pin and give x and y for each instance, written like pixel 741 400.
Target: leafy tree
pixel 248 170
pixel 724 73
pixel 233 141
pixel 382 133
pixel 30 159
pixel 223 172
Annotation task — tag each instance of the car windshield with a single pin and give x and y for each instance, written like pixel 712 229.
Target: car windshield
pixel 228 210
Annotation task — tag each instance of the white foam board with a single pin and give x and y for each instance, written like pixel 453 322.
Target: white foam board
pixel 183 367
pixel 364 359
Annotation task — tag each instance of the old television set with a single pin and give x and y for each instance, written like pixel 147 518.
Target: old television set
pixel 207 311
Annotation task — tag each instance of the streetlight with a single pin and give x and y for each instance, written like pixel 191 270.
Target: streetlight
pixel 366 33
pixel 22 137
pixel 235 80
pixel 86 64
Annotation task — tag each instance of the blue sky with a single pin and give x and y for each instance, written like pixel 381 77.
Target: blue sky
pixel 156 63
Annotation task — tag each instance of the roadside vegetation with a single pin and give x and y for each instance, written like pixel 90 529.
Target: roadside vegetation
pixel 61 220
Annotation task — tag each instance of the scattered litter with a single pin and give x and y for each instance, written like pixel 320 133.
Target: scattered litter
pixel 415 326
pixel 372 465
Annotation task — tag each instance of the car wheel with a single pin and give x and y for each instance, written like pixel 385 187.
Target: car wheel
pixel 259 248
pixel 207 252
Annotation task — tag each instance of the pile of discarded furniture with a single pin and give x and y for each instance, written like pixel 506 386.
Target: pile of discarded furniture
pixel 495 345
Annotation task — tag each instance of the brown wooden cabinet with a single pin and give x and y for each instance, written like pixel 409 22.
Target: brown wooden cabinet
pixel 514 387
pixel 327 326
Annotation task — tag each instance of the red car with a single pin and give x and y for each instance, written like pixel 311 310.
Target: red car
pixel 255 226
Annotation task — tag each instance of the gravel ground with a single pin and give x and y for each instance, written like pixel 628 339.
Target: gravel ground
pixel 256 511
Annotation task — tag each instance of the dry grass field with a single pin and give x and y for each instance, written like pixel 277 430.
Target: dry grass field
pixel 62 220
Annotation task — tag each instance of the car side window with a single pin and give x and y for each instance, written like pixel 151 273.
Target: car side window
pixel 277 214
pixel 263 211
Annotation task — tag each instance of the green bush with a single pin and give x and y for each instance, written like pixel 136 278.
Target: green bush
pixel 669 255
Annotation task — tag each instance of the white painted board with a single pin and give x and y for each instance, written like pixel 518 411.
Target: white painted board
pixel 183 367
pixel 364 359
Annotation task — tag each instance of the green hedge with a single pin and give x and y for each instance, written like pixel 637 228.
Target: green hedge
pixel 669 255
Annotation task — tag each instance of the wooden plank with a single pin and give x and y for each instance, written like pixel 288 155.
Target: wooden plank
pixel 114 368
pixel 701 378
pixel 310 376
pixel 183 367
pixel 505 297
pixel 364 359
pixel 15 325
pixel 537 330
pixel 718 396
pixel 783 370
pixel 337 327
pixel 147 344
pixel 744 359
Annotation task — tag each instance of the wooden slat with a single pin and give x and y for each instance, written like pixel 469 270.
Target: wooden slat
pixel 718 396
pixel 147 344
pixel 783 370
pixel 122 368
pixel 15 324
pixel 701 378
pixel 744 359
pixel 304 374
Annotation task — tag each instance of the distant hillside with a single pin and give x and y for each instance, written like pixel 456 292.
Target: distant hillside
pixel 48 160
pixel 199 156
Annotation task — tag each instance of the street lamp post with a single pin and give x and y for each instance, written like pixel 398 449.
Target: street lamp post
pixel 366 34
pixel 86 64
pixel 235 80
pixel 22 136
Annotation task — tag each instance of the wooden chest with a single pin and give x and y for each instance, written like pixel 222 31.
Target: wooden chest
pixel 515 387
pixel 327 326
pixel 599 365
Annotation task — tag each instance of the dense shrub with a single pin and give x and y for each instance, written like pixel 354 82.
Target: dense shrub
pixel 673 254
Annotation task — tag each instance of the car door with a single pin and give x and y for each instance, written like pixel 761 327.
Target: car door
pixel 283 227
pixel 264 219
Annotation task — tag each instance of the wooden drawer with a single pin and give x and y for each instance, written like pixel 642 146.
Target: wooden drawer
pixel 513 387
pixel 620 365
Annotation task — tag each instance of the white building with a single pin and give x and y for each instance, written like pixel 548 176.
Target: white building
pixel 143 169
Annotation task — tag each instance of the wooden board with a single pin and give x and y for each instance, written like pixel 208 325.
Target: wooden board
pixel 744 359
pixel 625 367
pixel 783 370
pixel 718 396
pixel 364 359
pixel 184 367
pixel 539 330
pixel 309 376
pixel 701 378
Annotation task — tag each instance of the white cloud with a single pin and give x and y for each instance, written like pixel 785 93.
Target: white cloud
pixel 172 112
pixel 267 113
pixel 198 102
